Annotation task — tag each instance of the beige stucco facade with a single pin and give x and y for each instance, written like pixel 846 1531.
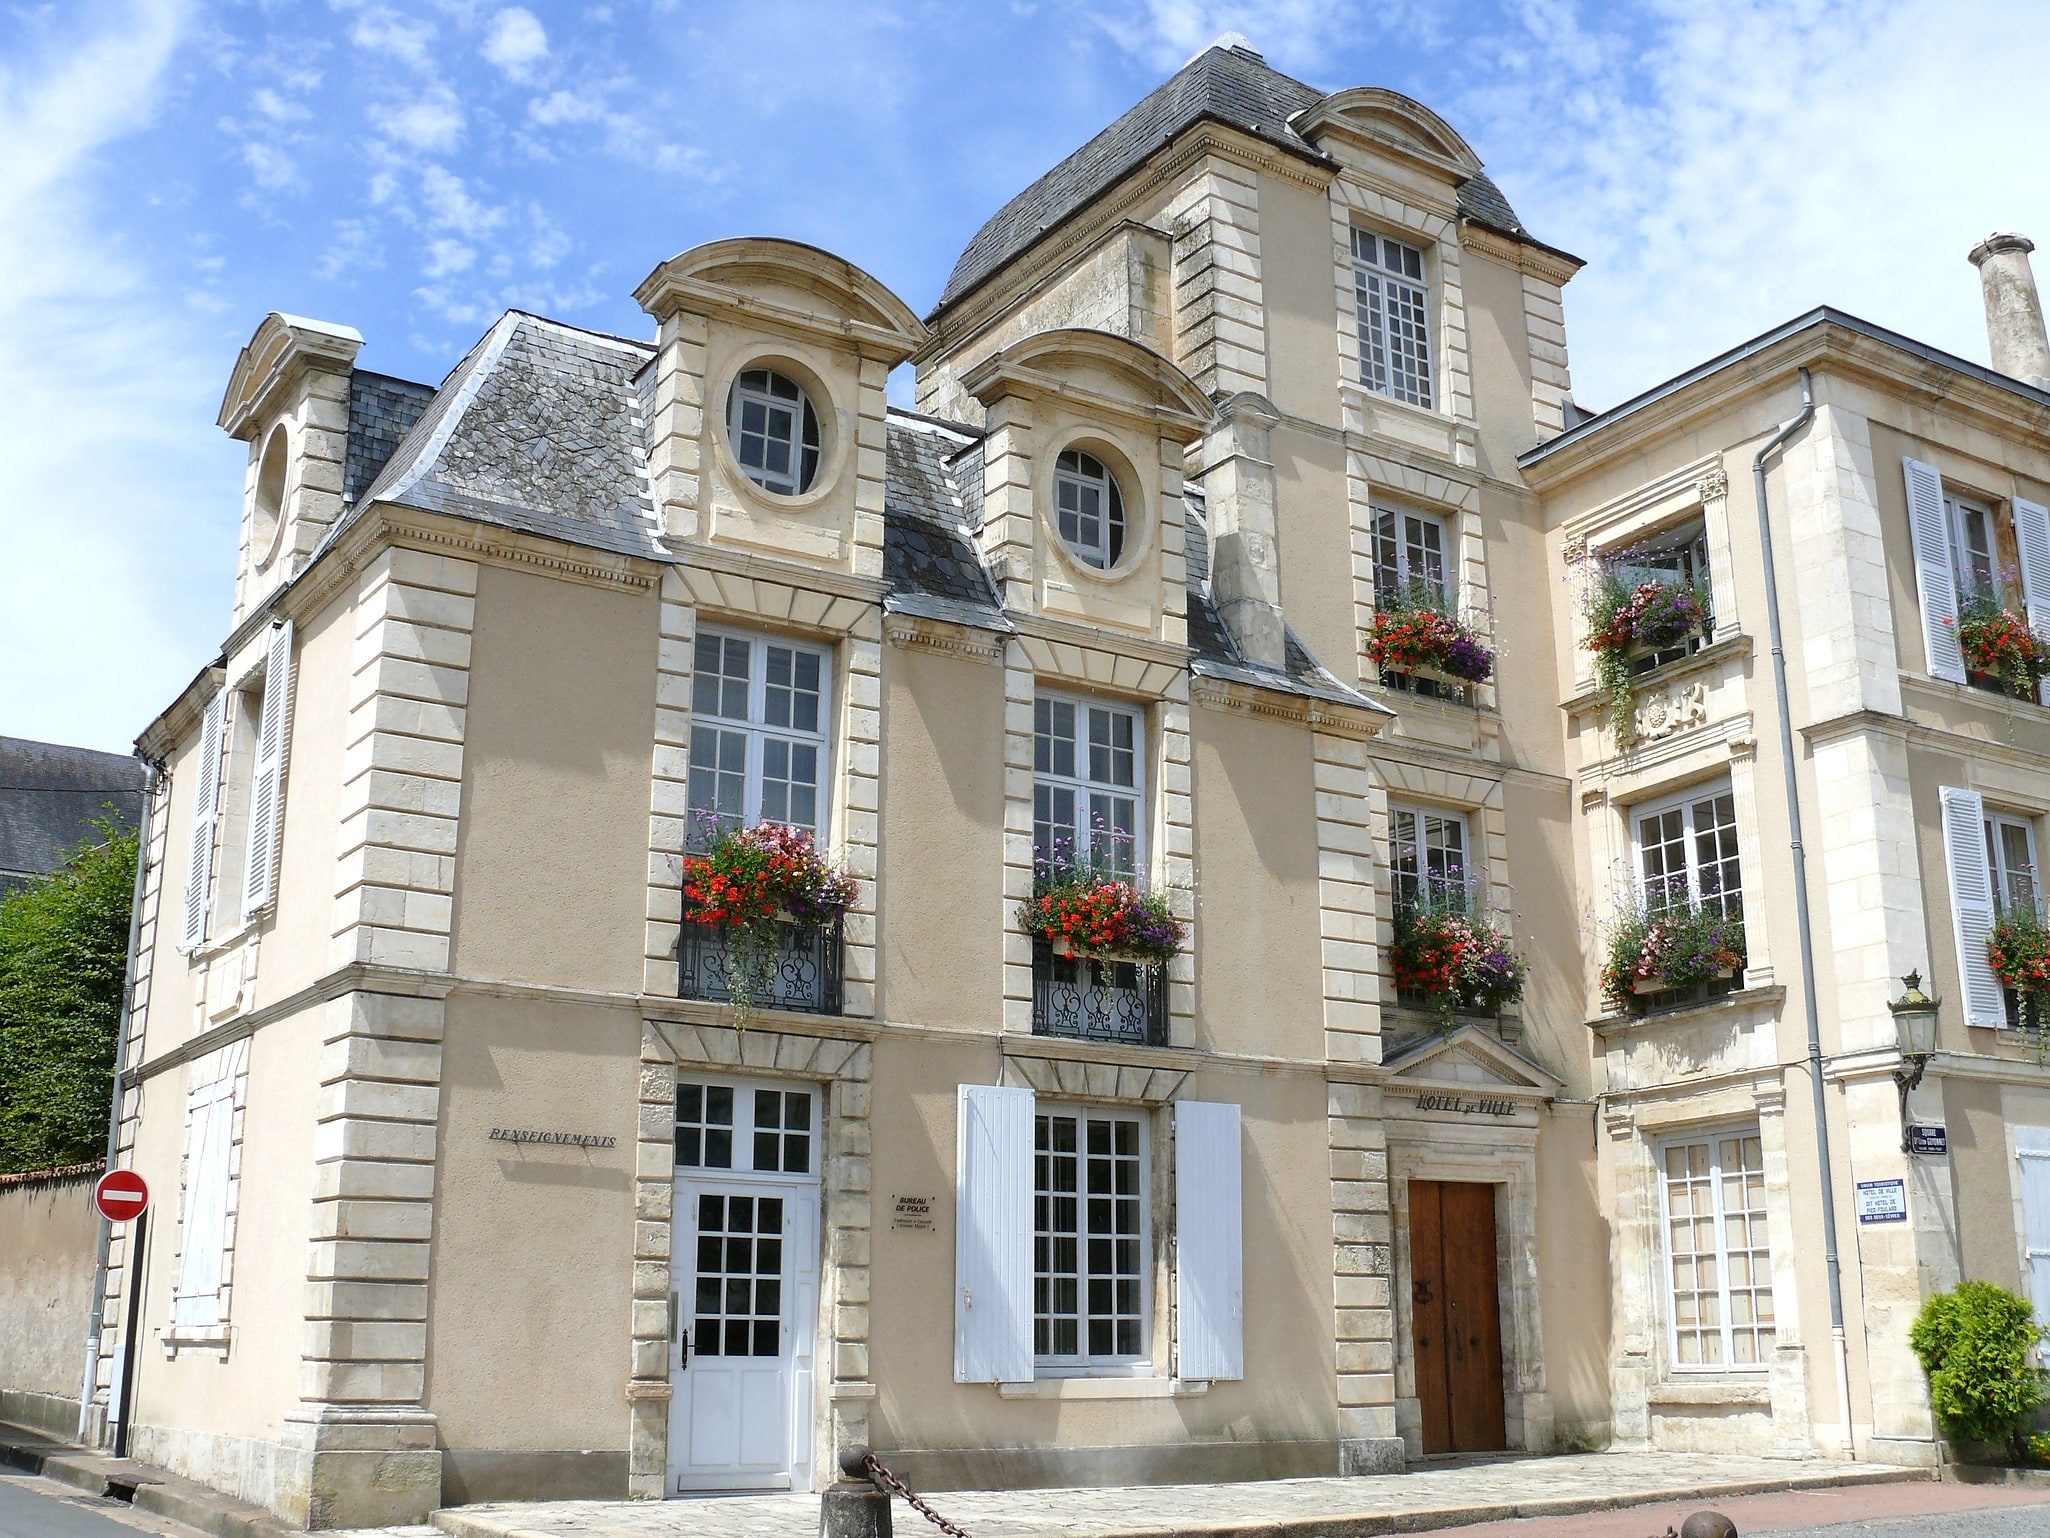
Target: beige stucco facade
pixel 450 1048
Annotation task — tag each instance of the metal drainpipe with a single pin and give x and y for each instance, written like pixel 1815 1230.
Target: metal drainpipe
pixel 1808 999
pixel 153 779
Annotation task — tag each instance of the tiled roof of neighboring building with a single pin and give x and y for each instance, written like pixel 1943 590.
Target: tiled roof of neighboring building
pixel 538 429
pixel 49 796
pixel 382 410
pixel 1230 85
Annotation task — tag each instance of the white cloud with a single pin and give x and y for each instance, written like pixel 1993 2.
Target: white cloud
pixel 432 121
pixel 277 107
pixel 271 166
pixel 451 207
pixel 566 107
pixel 117 508
pixel 515 40
pixel 448 256
pixel 405 38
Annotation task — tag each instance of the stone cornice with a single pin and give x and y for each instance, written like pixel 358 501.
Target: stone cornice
pixel 918 633
pixel 1824 342
pixel 1226 694
pixel 1554 267
pixel 703 555
pixel 1710 657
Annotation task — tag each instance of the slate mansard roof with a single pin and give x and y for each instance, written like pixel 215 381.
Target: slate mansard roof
pixel 542 429
pixel 1234 86
pixel 49 796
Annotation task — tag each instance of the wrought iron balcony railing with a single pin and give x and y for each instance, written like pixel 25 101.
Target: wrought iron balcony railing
pixel 807 974
pixel 1099 1000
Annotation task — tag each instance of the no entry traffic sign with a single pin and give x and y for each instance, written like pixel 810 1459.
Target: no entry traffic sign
pixel 121 1196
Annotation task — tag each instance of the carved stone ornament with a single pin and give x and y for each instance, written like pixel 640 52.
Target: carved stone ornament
pixel 1713 486
pixel 1669 710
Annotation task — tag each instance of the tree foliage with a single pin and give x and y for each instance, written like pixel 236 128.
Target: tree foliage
pixel 63 957
pixel 1974 1342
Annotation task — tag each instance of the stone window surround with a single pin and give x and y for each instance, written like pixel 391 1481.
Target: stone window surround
pixel 1644 1374
pixel 230 1061
pixel 1357 198
pixel 840 1068
pixel 1454 500
pixel 804 367
pixel 1505 1157
pixel 851 626
pixel 1479 800
pixel 1609 804
pixel 1699 489
pixel 1161 692
pixel 1141 502
pixel 1677 1376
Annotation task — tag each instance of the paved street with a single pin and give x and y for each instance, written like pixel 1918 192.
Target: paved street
pixel 1921 1510
pixel 42 1508
pixel 1433 1497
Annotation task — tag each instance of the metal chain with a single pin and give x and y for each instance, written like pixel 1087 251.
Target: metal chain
pixel 892 1483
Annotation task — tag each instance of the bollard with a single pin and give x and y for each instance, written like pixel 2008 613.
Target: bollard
pixel 853 1506
pixel 1708 1524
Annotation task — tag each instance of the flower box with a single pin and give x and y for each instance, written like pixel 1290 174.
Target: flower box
pixel 1419 634
pixel 1459 961
pixel 753 885
pixel 1662 984
pixel 1998 643
pixel 1104 918
pixel 1627 619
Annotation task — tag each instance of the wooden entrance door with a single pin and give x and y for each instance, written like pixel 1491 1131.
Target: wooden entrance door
pixel 1455 1316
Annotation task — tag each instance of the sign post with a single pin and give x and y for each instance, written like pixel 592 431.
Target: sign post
pixel 122 1197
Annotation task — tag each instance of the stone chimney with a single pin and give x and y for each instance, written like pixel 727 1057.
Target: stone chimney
pixel 1245 546
pixel 2014 313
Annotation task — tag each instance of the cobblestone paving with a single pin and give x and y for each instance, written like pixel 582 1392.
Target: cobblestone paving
pixel 1430 1497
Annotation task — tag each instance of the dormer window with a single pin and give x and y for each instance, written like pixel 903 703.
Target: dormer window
pixel 774 430
pixel 1393 311
pixel 1091 510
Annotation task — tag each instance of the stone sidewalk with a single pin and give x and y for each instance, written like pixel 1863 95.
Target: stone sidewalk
pixel 1427 1498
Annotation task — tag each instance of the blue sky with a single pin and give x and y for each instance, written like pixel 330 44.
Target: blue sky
pixel 170 170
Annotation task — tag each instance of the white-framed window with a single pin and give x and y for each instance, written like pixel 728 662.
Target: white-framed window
pixel 1409 555
pixel 207 1198
pixel 1089 509
pixel 1392 309
pixel 1718 1259
pixel 1676 557
pixel 1687 851
pixel 1090 1242
pixel 1974 548
pixel 1427 854
pixel 774 430
pixel 760 734
pixel 755 1129
pixel 2011 865
pixel 1089 784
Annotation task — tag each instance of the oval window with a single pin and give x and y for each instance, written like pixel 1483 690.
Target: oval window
pixel 1090 509
pixel 774 431
pixel 270 495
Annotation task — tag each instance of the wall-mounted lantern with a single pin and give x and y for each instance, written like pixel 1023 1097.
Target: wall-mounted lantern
pixel 1914 1022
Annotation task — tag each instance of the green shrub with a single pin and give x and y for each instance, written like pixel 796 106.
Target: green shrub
pixel 1974 1342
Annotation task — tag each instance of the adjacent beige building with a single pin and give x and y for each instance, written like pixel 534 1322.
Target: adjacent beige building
pixel 469 1183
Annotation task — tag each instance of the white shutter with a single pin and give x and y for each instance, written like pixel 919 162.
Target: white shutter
pixel 209 1124
pixel 205 800
pixel 267 785
pixel 1971 904
pixel 1935 580
pixel 1210 1287
pixel 2032 541
pixel 2032 1149
pixel 993 1236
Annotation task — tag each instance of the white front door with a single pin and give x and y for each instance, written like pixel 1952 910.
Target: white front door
pixel 744 1269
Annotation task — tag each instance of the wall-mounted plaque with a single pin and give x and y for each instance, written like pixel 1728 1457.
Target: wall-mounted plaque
pixel 1924 1139
pixel 1882 1201
pixel 913 1213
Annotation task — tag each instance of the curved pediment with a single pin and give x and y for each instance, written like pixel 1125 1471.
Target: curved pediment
pixel 281 347
pixel 1111 372
pixel 1377 115
pixel 790 282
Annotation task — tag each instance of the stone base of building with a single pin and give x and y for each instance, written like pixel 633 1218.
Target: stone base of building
pixel 1909 1452
pixel 471 1475
pixel 1051 1468
pixel 359 1474
pixel 1371 1455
